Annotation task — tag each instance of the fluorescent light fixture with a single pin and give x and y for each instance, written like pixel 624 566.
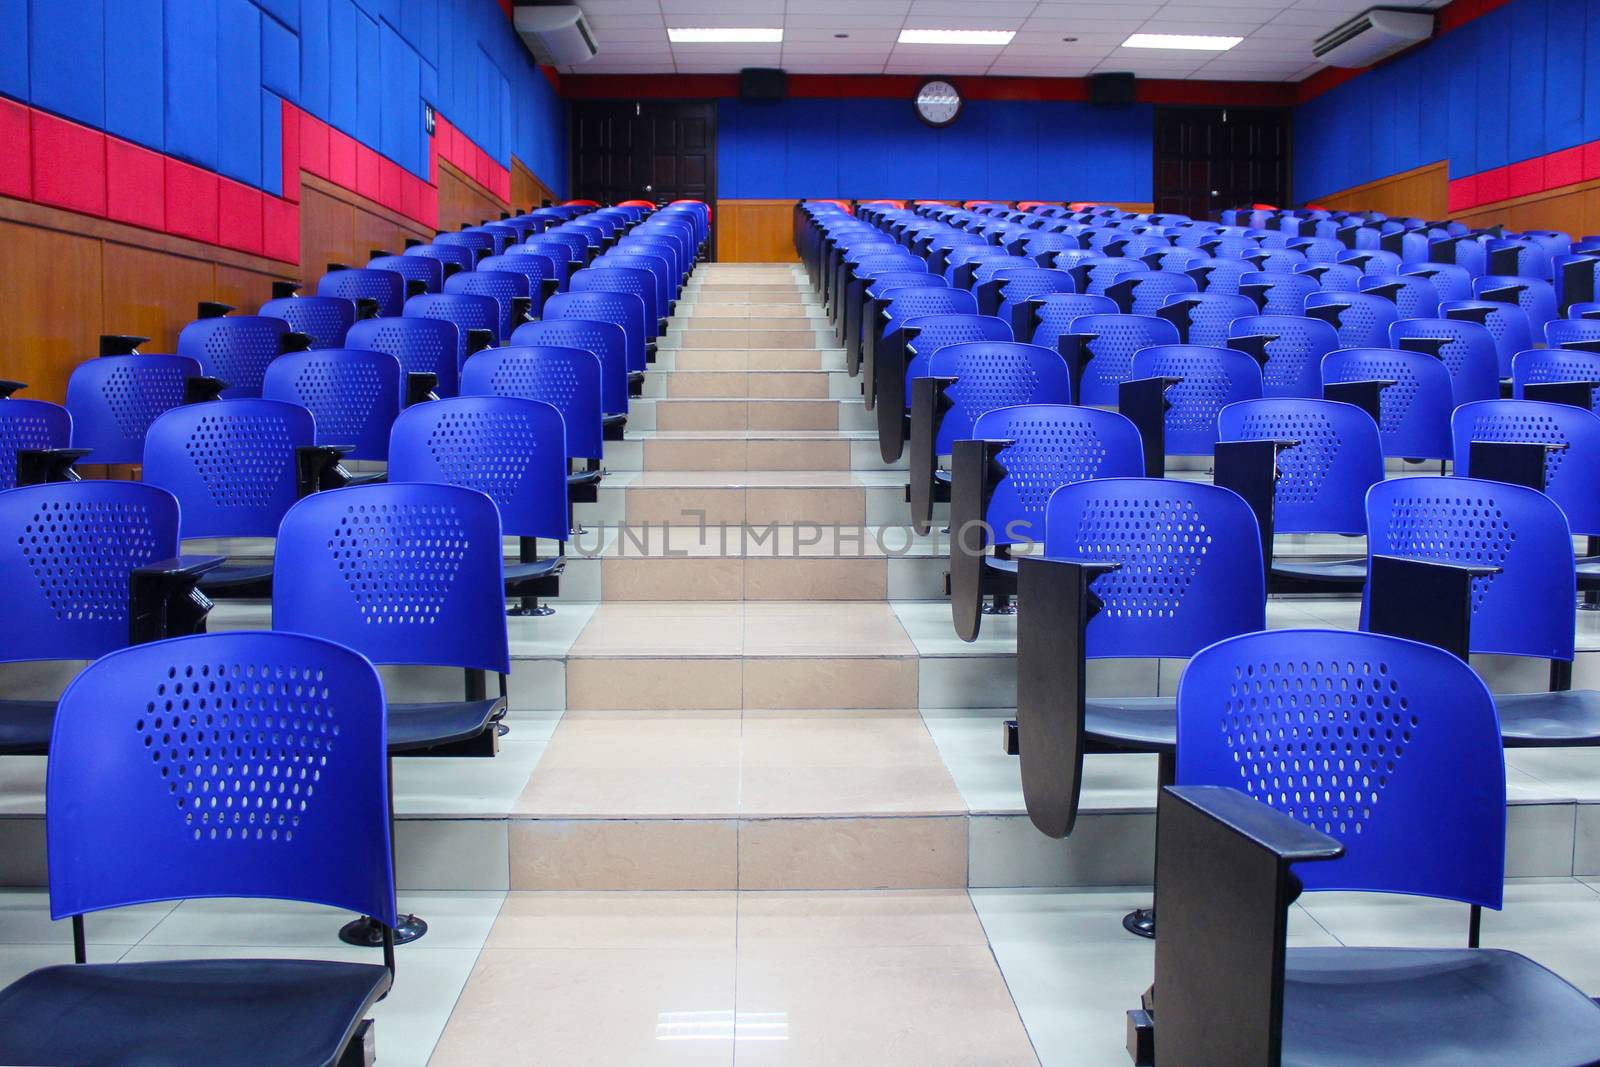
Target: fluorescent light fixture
pixel 1188 41
pixel 979 37
pixel 725 35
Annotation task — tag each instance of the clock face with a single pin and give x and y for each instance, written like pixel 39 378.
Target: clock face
pixel 938 102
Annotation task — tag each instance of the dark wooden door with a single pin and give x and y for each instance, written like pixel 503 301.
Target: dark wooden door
pixel 1211 158
pixel 644 149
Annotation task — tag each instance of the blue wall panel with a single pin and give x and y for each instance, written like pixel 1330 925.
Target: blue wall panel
pixel 67 61
pixel 239 90
pixel 280 59
pixel 1520 82
pixel 190 63
pixel 870 147
pixel 14 48
pixel 134 71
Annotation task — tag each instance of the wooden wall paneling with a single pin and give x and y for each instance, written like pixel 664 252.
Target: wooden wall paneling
pixel 327 232
pixel 527 191
pixel 244 289
pixel 1422 192
pixel 154 293
pixel 462 200
pixel 51 306
pixel 1574 209
pixel 755 231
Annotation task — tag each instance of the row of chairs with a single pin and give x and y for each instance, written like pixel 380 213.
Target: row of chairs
pixel 259 764
pixel 1317 724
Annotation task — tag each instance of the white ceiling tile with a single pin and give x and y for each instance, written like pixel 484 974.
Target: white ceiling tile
pixel 998 8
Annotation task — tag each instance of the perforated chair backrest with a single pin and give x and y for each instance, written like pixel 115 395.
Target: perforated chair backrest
pixel 1281 293
pixel 1175 259
pixel 929 333
pixel 1525 609
pixel 640 283
pixel 29 424
pixel 474 239
pixel 1204 318
pixel 1413 297
pixel 604 340
pixel 1294 353
pixel 1116 339
pixel 469 311
pixel 881 283
pixel 904 304
pixel 235 348
pixel 1277 261
pixel 994 374
pixel 1558 332
pixel 1449 281
pixel 623 309
pixel 564 377
pixel 514 450
pixel 404 572
pixel 1190 562
pixel 1147 291
pixel 501 286
pixel 1211 379
pixel 324 319
pixel 1051 445
pixel 1390 746
pixel 1569 472
pixel 1056 312
pixel 1535 296
pixel 291 804
pixel 1096 275
pixel 113 400
pixel 353 394
pixel 1415 411
pixel 385 287
pixel 67 551
pixel 1322 481
pixel 1374 262
pixel 1468 353
pixel 1362 319
pixel 460 255
pixel 430 272
pixel 1507 323
pixel 653 269
pixel 1538 366
pixel 422 345
pixel 230 464
pixel 555 255
pixel 1334 277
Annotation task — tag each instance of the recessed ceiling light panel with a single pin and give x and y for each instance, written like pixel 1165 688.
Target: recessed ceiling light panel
pixel 993 38
pixel 1187 41
pixel 725 34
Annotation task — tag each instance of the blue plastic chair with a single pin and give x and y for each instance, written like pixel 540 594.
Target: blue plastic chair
pixel 990 375
pixel 404 573
pixel 1513 256
pixel 353 394
pixel 1281 293
pixel 623 309
pixel 1465 348
pixel 235 348
pixel 1071 258
pixel 469 311
pixel 1020 289
pixel 67 553
pixel 1413 297
pixel 1558 333
pixel 1535 296
pixel 1587 309
pixel 1293 346
pixel 430 272
pixel 1540 366
pixel 1358 735
pixel 566 378
pixel 928 334
pixel 1054 314
pixel 639 283
pixel 324 319
pixel 1175 259
pixel 1449 281
pixel 1569 472
pixel 483 244
pixel 1415 411
pixel 1333 277
pixel 451 257
pixel 1374 263
pixel 1115 340
pixel 1204 318
pixel 1507 323
pixel 113 400
pixel 552 258
pixel 1094 276
pixel 1211 378
pixel 1277 261
pixel 1144 292
pixel 1220 275
pixel 1362 319
pixel 504 287
pixel 386 288
pixel 29 425
pixel 1322 481
pixel 604 340
pixel 422 345
pixel 139 815
pixel 656 269
pixel 512 449
pixel 535 269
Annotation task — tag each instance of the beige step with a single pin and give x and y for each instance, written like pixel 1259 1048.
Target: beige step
pixel 690 312
pixel 782 359
pixel 746 450
pixel 747 338
pixel 746 294
pixel 741 414
pixel 702 384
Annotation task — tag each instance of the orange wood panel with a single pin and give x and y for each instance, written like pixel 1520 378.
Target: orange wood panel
pixel 244 289
pixel 1574 209
pixel 154 293
pixel 527 191
pixel 1422 192
pixel 327 231
pixel 51 305
pixel 755 231
pixel 464 201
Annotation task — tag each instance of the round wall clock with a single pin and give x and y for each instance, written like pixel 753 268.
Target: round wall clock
pixel 938 102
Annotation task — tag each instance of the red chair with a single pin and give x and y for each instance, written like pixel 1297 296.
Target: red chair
pixel 580 203
pixel 650 204
pixel 842 205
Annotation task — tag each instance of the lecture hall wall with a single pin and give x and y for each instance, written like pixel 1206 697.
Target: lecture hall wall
pixel 160 152
pixel 1495 120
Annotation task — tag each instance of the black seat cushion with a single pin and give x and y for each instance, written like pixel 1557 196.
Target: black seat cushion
pixel 518 574
pixel 417 726
pixel 289 1013
pixel 584 477
pixel 1432 1008
pixel 238 580
pixel 1549 720
pixel 1135 724
pixel 1589 573
pixel 25 726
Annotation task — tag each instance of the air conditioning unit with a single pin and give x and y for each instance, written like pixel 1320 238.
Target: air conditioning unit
pixel 557 34
pixel 1372 35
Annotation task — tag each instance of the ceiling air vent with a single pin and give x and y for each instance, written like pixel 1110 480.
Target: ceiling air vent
pixel 1372 35
pixel 558 35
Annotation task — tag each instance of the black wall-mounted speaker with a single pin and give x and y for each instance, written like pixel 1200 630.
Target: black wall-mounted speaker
pixel 763 83
pixel 1113 88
